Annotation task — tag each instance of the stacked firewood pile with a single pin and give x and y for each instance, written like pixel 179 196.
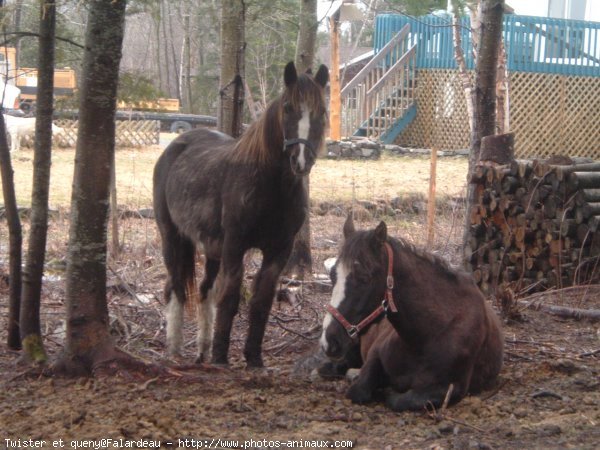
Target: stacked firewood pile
pixel 535 224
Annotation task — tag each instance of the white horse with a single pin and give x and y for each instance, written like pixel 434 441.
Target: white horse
pixel 19 127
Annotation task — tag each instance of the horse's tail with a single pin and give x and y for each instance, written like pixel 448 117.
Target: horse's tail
pixel 178 250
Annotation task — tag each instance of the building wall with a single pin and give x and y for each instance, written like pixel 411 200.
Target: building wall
pixel 562 9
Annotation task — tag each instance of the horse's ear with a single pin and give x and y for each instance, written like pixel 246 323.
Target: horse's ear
pixel 322 76
pixel 290 76
pixel 380 235
pixel 349 226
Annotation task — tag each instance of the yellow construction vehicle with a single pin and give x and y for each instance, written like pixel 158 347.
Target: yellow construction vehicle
pixel 25 79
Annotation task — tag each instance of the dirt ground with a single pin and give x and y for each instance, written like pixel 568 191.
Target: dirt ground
pixel 548 396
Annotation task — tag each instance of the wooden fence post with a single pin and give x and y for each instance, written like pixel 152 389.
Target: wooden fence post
pixel 431 199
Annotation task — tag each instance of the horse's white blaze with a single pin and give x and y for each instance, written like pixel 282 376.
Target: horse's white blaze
pixel 337 297
pixel 205 315
pixel 174 312
pixel 303 130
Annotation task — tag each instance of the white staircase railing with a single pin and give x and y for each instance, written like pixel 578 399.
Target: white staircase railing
pixel 378 96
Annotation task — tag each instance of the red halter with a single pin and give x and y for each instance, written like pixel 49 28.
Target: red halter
pixel 387 303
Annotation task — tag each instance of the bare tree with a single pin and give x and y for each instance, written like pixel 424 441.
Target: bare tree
pixel 14 232
pixel 502 77
pixel 88 343
pixel 31 338
pixel 301 257
pixel 17 26
pixel 307 35
pixel 15 241
pixel 233 46
pixel 485 74
pixel 484 105
pixel 185 71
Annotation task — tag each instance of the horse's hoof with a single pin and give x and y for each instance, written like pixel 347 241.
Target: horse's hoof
pixel 255 363
pixel 352 375
pixel 331 370
pixel 358 394
pixel 220 361
pixel 261 371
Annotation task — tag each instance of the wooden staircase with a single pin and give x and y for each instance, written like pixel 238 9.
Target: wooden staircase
pixel 379 102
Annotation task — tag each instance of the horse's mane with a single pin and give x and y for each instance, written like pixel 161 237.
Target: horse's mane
pixel 353 250
pixel 423 254
pixel 263 140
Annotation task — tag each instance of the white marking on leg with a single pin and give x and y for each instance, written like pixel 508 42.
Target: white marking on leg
pixel 337 296
pixel 206 325
pixel 303 130
pixel 174 312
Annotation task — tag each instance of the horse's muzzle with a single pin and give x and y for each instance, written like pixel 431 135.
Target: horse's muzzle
pixel 301 159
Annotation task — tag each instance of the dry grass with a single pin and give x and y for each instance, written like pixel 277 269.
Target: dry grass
pixel 134 176
pixel 386 178
pixel 331 180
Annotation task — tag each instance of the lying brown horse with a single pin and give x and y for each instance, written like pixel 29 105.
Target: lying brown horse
pixel 424 329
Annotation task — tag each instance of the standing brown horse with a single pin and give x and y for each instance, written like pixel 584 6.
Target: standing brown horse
pixel 232 195
pixel 421 326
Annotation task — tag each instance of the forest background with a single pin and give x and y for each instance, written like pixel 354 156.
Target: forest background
pixel 172 49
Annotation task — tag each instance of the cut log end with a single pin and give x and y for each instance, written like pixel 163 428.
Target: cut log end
pixel 498 148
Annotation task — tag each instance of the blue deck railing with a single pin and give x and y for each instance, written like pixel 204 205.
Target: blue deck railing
pixel 533 44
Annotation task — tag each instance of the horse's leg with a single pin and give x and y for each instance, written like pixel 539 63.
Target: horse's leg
pixel 174 316
pixel 418 399
pixel 178 254
pixel 13 142
pixel 261 302
pixel 372 376
pixel 338 369
pixel 206 309
pixel 231 273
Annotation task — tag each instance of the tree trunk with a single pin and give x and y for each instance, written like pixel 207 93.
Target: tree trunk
pixel 88 339
pixel 156 18
pixel 174 64
pixel 167 63
pixel 307 35
pixel 15 241
pixel 186 61
pixel 301 257
pixel 489 39
pixel 233 47
pixel 463 73
pixel 15 234
pixel 31 338
pixel 502 93
pixel 18 15
pixel 485 74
